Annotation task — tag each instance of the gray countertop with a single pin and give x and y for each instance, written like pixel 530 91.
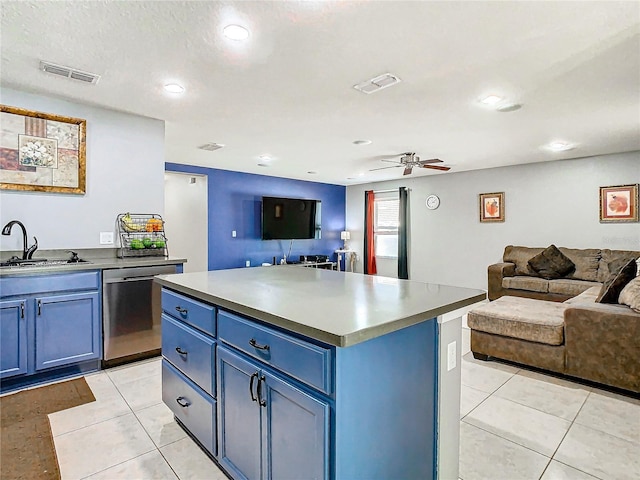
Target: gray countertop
pixel 339 308
pixel 93 263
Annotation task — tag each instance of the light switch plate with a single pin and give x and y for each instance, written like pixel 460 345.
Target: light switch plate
pixel 106 238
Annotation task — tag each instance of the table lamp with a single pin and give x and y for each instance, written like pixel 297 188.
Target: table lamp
pixel 345 235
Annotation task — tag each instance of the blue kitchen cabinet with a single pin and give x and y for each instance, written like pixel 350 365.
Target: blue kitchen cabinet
pixel 269 428
pixel 66 329
pixel 13 337
pixel 51 326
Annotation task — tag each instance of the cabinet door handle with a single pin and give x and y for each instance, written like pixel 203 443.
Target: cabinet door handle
pixel 253 377
pixel 21 309
pixel 181 311
pixel 255 344
pixel 39 307
pixel 183 402
pixel 180 351
pixel 261 401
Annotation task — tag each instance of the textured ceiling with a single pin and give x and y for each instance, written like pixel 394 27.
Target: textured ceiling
pixel 288 90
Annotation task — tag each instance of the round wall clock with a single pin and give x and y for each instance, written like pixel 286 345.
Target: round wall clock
pixel 432 202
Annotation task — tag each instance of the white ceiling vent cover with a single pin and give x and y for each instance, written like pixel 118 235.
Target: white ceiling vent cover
pixel 377 83
pixel 69 72
pixel 211 147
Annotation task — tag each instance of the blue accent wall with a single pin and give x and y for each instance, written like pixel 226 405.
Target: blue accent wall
pixel 235 204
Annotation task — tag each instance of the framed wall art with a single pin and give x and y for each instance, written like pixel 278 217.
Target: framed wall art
pixel 42 152
pixel 619 203
pixel 492 207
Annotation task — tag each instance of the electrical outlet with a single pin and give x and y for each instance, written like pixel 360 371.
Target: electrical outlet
pixel 247 263
pixel 451 356
pixel 106 238
pixel 233 233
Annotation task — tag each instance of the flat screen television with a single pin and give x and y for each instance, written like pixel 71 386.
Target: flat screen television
pixel 290 218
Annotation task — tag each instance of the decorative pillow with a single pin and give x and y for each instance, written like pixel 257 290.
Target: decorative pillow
pixel 630 295
pixel 551 263
pixel 617 281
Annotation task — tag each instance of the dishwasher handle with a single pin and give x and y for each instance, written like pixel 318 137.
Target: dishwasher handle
pixel 129 279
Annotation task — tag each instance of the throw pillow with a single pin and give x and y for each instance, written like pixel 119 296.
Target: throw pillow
pixel 552 263
pixel 630 295
pixel 617 281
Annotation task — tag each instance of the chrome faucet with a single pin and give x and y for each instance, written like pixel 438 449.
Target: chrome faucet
pixel 27 253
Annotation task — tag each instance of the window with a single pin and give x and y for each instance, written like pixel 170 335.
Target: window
pixel 385 227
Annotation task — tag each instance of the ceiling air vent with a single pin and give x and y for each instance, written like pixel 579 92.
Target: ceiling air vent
pixel 211 147
pixel 69 72
pixel 377 83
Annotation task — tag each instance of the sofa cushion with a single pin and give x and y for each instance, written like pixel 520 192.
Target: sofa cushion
pixel 615 284
pixel 608 257
pixel 533 320
pixel 586 297
pixel 551 263
pixel 520 257
pixel 532 284
pixel 567 286
pixel 630 295
pixel 586 261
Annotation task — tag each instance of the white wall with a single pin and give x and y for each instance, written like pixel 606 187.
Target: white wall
pixel 551 202
pixel 186 219
pixel 125 173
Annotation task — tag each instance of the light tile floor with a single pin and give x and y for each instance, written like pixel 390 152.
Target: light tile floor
pixel 515 425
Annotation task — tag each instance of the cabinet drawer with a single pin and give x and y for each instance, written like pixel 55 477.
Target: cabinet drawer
pixel 193 312
pixel 193 407
pixel 54 282
pixel 305 361
pixel 190 351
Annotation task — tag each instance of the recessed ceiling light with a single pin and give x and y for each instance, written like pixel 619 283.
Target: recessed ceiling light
pixel 362 142
pixel 265 158
pixel 174 88
pixel 491 99
pixel 560 146
pixel 235 32
pixel 361 174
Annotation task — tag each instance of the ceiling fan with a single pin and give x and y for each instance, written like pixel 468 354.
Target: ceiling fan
pixel 409 160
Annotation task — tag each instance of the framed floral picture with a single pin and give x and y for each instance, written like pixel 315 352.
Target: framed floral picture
pixel 619 203
pixel 42 152
pixel 492 207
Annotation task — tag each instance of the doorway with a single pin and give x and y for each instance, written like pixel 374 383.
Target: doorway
pixel 186 218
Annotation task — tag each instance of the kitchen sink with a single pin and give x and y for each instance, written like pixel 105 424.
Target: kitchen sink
pixel 39 263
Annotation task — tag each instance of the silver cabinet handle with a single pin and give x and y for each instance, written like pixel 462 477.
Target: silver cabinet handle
pixel 21 309
pixel 181 311
pixel 39 307
pixel 180 351
pixel 183 402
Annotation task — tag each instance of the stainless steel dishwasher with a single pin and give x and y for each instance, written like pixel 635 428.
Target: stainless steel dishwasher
pixel 131 309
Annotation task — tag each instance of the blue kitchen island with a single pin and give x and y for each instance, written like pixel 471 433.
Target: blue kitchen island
pixel 293 373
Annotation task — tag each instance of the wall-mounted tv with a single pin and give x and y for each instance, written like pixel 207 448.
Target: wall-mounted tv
pixel 290 218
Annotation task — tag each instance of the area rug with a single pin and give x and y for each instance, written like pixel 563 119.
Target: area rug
pixel 27 450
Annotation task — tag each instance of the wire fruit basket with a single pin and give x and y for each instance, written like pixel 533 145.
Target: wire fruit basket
pixel 141 235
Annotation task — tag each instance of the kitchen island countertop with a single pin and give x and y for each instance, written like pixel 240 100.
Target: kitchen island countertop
pixel 338 308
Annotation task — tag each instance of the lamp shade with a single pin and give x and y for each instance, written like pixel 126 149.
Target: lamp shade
pixel 345 235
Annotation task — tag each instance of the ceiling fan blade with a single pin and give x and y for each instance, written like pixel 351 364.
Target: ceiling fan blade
pixel 407 170
pixel 390 161
pixel 431 160
pixel 387 157
pixel 382 168
pixel 436 167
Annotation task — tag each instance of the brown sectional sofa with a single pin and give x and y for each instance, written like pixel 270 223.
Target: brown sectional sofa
pixel 516 278
pixel 579 337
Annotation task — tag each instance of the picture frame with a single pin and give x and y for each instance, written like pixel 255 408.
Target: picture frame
pixel 42 152
pixel 619 203
pixel 491 207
